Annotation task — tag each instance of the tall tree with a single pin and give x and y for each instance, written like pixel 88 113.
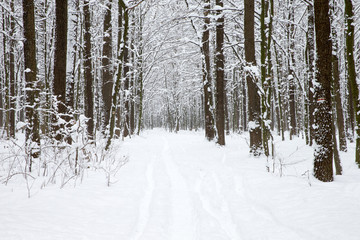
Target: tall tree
pixel 336 82
pixel 32 92
pixel 310 68
pixel 107 67
pixel 219 68
pixel 349 18
pixel 291 77
pixel 12 99
pixel 89 79
pixel 265 81
pixel 323 162
pixel 59 85
pixel 116 90
pixel 127 92
pixel 206 71
pixel 253 96
pixel 140 76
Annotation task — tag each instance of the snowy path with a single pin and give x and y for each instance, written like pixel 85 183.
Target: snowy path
pixel 181 187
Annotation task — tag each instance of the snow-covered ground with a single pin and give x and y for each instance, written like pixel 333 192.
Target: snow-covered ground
pixel 181 187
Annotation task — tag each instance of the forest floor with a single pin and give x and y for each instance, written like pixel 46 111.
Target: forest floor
pixel 181 187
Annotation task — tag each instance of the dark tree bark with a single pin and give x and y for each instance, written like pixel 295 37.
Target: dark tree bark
pixel 244 105
pixel 59 85
pixel 2 80
pixel 311 59
pixel 349 17
pixel 132 74
pixel 207 81
pixel 107 67
pixel 254 98
pixel 265 103
pixel 89 79
pixel 323 162
pixel 140 77
pixel 292 86
pixel 5 80
pixel 12 100
pixel 220 81
pixel 127 93
pixel 32 92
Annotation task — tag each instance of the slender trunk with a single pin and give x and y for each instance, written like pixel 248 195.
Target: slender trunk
pixel 291 77
pixel 59 84
pixel 12 97
pixel 253 96
pixel 89 78
pixel 32 135
pixel 127 91
pixel 280 106
pixel 207 80
pixel 116 90
pixel 264 82
pixel 140 81
pixel 107 67
pixel 2 81
pixel 220 81
pixel 337 95
pixel 310 70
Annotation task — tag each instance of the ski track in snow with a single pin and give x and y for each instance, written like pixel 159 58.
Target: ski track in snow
pixel 144 208
pixel 183 224
pixel 217 208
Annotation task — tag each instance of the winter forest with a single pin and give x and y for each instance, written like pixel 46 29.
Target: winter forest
pixel 179 119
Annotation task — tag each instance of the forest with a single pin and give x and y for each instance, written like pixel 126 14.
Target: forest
pixel 214 117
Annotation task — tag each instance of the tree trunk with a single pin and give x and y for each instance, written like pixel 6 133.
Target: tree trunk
pixel 323 162
pixel 2 81
pixel 337 95
pixel 291 77
pixel 140 77
pixel 206 70
pixel 127 93
pixel 311 59
pixel 89 79
pixel 122 7
pixel 254 98
pixel 59 85
pixel 265 104
pixel 107 67
pixel 32 135
pixel 220 81
pixel 12 100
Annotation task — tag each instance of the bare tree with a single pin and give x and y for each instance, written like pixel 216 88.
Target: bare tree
pixel 89 78
pixel 59 85
pixel 207 81
pixel 107 67
pixel 32 91
pixel 323 162
pixel 220 81
pixel 253 96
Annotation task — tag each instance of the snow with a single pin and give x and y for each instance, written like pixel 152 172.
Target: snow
pixel 180 186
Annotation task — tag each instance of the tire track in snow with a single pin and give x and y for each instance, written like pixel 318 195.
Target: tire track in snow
pixel 144 208
pixel 183 224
